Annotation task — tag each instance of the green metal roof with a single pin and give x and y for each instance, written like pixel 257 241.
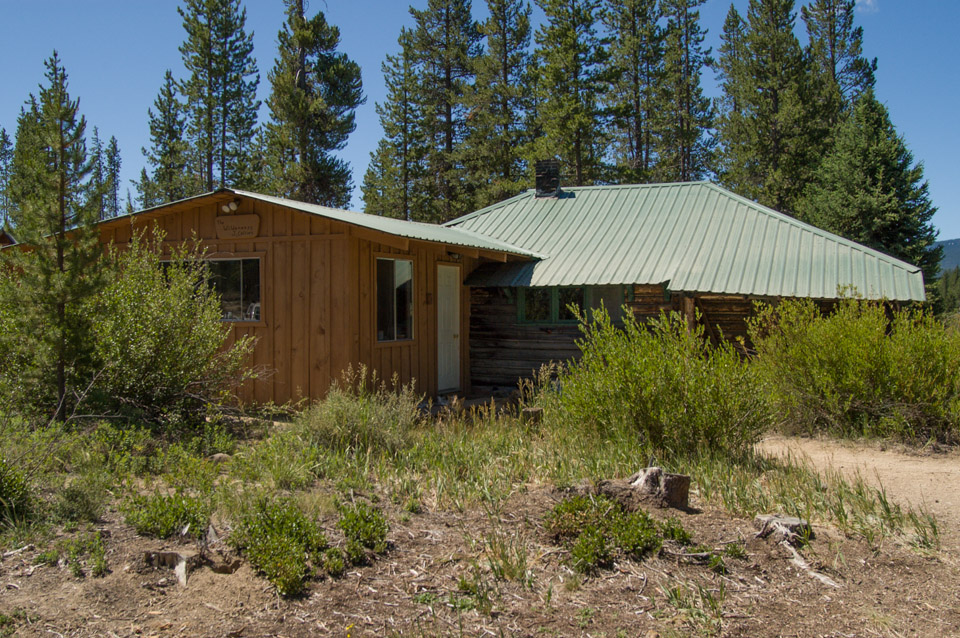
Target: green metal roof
pixel 400 227
pixel 692 237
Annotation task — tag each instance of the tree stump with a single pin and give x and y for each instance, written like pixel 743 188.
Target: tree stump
pixel 673 490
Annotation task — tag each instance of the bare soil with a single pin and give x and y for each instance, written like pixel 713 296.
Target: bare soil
pixel 415 589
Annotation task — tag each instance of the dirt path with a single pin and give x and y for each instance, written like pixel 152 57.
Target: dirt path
pixel 931 481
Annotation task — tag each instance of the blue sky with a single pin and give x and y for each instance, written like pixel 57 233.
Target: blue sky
pixel 116 52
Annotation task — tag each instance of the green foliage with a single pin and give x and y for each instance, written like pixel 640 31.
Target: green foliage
pixel 285 460
pixel 315 91
pixel 279 540
pixel 570 75
pixel 168 515
pixel 858 371
pixel 836 49
pixel 597 529
pixel 682 394
pixel 54 211
pixel 949 288
pixel 82 501
pixel 364 526
pixel 361 414
pixel 869 189
pixel 334 562
pixel 15 495
pixel 159 338
pixel 169 152
pixel 672 529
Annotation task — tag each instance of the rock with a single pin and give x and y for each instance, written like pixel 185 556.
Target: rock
pixel 783 528
pixel 533 416
pixel 673 490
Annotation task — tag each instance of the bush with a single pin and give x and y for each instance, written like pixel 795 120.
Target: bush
pixel 859 371
pixel 82 501
pixel 682 394
pixel 158 337
pixel 15 497
pixel 362 414
pixel 596 529
pixel 165 516
pixel 364 526
pixel 279 540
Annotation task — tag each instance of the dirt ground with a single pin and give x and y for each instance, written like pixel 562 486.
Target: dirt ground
pixel 920 478
pixel 417 588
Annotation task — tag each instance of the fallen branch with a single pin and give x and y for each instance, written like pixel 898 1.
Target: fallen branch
pixel 799 561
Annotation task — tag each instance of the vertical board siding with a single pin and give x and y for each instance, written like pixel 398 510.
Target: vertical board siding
pixel 318 313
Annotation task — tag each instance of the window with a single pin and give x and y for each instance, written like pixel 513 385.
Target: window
pixel 553 305
pixel 237 281
pixel 394 299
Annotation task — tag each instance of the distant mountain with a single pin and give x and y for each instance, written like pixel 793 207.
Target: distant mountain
pixel 951 254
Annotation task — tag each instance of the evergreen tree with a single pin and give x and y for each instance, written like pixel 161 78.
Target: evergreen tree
pixel 170 178
pixel 395 182
pixel 949 285
pixel 686 147
pixel 869 189
pixel 770 130
pixel 113 163
pixel 98 174
pixel 315 93
pixel 836 49
pixel 6 166
pixel 499 104
pixel 636 62
pixel 55 210
pixel 220 93
pixel 446 44
pixel 570 61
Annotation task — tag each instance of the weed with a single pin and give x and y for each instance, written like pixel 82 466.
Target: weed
pixel 15 496
pixel 735 550
pixel 591 550
pixel 82 501
pixel 364 525
pixel 334 562
pixel 278 540
pixel 672 529
pixel 164 516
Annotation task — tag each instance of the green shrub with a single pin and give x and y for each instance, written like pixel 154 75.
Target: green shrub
pixel 682 394
pixel 82 501
pixel 857 371
pixel 363 525
pixel 361 413
pixel 283 461
pixel 15 496
pixel 165 516
pixel 596 529
pixel 279 540
pixel 333 562
pixel 158 338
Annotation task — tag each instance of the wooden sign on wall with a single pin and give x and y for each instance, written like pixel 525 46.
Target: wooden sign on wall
pixel 238 226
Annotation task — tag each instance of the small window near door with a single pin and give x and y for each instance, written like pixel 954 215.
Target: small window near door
pixel 394 299
pixel 237 281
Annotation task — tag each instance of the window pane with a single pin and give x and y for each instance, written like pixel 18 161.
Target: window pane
pixel 385 301
pixel 251 289
pixel 226 276
pixel 567 297
pixel 611 298
pixel 403 284
pixel 536 304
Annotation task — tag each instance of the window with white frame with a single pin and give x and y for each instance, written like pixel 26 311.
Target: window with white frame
pixel 394 299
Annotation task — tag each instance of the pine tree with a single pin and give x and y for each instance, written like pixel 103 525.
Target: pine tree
pixel 98 173
pixel 836 48
pixel 636 61
pixel 170 178
pixel 771 131
pixel 686 147
pixel 446 44
pixel 499 104
pixel 220 93
pixel 55 210
pixel 869 189
pixel 315 93
pixel 6 167
pixel 395 182
pixel 570 61
pixel 113 164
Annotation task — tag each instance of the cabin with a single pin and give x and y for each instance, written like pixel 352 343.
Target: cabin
pixel 484 300
pixel 693 248
pixel 6 237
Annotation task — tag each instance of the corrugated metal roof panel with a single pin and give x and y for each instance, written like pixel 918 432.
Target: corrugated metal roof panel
pixel 697 237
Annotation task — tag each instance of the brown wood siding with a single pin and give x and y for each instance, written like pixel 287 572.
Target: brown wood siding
pixel 318 312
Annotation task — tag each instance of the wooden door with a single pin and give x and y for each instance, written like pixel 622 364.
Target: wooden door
pixel 448 328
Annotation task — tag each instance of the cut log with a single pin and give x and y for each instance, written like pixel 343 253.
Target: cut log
pixel 531 416
pixel 791 529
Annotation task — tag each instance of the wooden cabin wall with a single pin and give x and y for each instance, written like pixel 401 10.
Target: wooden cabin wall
pixel 318 311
